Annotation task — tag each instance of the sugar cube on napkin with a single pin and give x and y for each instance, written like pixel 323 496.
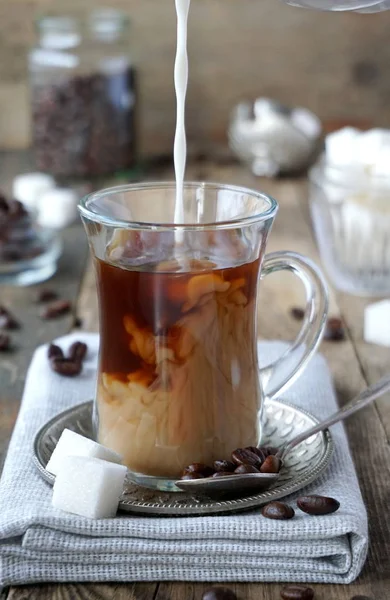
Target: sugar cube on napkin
pixel 89 487
pixel 74 444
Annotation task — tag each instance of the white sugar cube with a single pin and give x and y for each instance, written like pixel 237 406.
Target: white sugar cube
pixel 89 487
pixel 29 188
pixel 341 146
pixel 377 323
pixel 57 208
pixel 74 444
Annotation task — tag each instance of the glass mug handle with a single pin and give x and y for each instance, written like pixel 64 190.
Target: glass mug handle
pixel 279 375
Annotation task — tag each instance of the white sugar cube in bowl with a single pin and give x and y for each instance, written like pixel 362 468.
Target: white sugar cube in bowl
pixel 350 206
pixel 89 487
pixel 74 444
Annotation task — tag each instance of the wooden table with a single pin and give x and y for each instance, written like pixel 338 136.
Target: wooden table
pixel 353 362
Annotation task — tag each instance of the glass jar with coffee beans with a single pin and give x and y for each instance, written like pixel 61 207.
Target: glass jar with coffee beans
pixel 82 84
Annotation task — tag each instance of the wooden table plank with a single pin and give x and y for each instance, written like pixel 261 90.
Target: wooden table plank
pixel 366 431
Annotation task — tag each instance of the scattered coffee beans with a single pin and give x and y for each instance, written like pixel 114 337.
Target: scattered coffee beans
pixel 5 342
pixel 297 313
pixel 219 593
pixel 77 351
pixel 318 505
pixel 278 511
pixel 244 469
pixel 66 367
pixel 244 456
pixel 334 330
pixel 224 466
pixel 271 464
pixel 45 295
pixel 244 460
pixel 56 309
pixel 54 352
pixel 297 592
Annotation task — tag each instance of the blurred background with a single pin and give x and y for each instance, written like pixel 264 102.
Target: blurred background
pixel 337 65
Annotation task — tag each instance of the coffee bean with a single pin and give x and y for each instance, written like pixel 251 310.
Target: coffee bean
pixel 271 464
pixel 257 451
pixel 222 474
pixel 188 476
pixel 243 469
pixel 334 330
pixel 242 456
pixel 224 466
pixel 7 320
pixel 45 295
pixel 361 598
pixel 54 352
pixel 219 593
pixel 199 468
pixel 318 505
pixel 66 367
pixel 78 351
pixel 5 342
pixel 297 592
pixel 56 309
pixel 78 323
pixel 297 313
pixel 278 511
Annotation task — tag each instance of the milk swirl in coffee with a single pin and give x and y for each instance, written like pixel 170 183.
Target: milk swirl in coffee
pixel 177 378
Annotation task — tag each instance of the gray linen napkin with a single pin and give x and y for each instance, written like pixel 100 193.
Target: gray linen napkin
pixel 40 543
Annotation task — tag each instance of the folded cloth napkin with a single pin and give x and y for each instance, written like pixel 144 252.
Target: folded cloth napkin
pixel 40 543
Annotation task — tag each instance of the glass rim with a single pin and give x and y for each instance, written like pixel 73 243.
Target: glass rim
pixel 265 215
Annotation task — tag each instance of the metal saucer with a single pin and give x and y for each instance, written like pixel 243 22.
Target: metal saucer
pixel 282 421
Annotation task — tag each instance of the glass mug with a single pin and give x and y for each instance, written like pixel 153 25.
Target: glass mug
pixel 178 376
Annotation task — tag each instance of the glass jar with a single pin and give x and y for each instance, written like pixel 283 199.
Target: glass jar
pixel 83 95
pixel 350 211
pixel 343 5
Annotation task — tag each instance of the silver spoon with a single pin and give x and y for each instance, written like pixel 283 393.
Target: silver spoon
pixel 256 482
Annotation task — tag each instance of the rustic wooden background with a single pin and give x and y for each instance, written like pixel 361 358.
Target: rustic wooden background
pixel 336 64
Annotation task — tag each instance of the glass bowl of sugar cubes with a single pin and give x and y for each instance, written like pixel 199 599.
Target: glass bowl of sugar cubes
pixel 350 207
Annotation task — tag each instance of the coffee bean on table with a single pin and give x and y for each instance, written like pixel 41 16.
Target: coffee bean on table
pixel 78 351
pixel 45 295
pixel 224 465
pixel 56 309
pixel 297 592
pixel 271 464
pixel 200 469
pixel 334 330
pixel 244 469
pixel 278 511
pixel 318 505
pixel 242 456
pixel 7 320
pixel 297 313
pixel 54 351
pixel 66 367
pixel 219 593
pixel 78 322
pixel 361 598
pixel 5 342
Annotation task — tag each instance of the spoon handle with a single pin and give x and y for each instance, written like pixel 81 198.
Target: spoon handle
pixel 362 400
